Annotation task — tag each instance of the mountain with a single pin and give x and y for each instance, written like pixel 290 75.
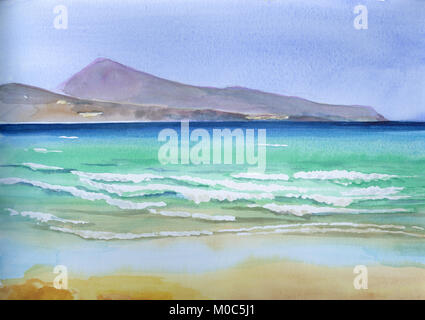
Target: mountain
pixel 107 80
pixel 22 103
pixel 109 91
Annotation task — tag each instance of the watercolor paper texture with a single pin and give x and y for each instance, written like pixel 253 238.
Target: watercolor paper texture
pixel 181 149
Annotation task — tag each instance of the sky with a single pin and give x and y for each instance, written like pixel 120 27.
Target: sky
pixel 308 49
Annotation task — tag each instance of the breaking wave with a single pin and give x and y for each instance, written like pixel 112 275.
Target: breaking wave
pixel 201 216
pixel 193 194
pixel 372 191
pixel 240 186
pixel 330 200
pixel 36 166
pixel 44 150
pixel 261 176
pixel 105 235
pixel 117 177
pixel 92 196
pixel 296 228
pixel 313 230
pixel 302 210
pixel 342 175
pixel 43 217
pixel 201 195
pixel 137 178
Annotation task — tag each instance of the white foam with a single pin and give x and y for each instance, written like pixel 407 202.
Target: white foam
pixel 363 225
pixel 12 212
pixel 118 189
pixel 240 186
pixel 201 216
pixel 343 183
pixel 66 137
pixel 193 194
pixel 309 228
pixel 375 193
pixel 313 224
pixel 105 235
pixel 261 176
pixel 92 196
pixel 36 166
pixel 331 200
pixel 342 174
pixel 381 198
pixel 372 191
pixel 418 228
pixel 117 177
pixel 44 150
pixel 43 217
pixel 137 178
pixel 301 210
pixel 337 230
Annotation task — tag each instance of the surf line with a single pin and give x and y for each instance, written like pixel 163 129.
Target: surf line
pixel 222 147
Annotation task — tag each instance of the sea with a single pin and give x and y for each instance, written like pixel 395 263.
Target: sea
pixel 96 198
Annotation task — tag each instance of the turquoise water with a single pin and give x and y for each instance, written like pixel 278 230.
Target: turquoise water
pixel 95 197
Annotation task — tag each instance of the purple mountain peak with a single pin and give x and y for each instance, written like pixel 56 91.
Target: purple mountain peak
pixel 107 80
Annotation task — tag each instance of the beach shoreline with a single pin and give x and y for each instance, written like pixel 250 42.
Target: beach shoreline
pixel 126 227
pixel 273 279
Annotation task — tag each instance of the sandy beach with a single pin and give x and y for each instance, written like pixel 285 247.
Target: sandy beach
pixel 126 227
pixel 254 279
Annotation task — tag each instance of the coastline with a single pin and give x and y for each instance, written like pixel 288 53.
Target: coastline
pixel 380 173
pixel 253 279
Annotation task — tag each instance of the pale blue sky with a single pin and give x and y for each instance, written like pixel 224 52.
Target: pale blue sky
pixel 293 47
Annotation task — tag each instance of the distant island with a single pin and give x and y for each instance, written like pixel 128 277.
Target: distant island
pixel 107 91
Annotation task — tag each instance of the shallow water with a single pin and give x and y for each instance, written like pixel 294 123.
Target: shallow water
pixel 96 197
